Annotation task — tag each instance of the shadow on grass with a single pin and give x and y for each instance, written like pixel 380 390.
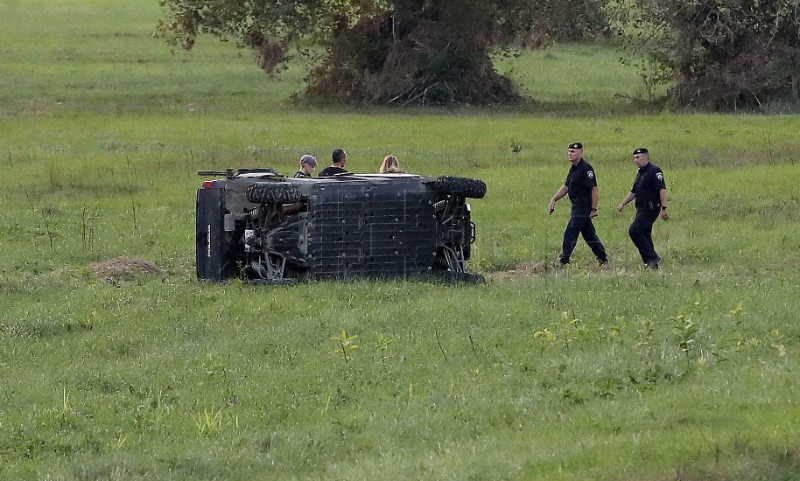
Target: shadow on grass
pixel 621 105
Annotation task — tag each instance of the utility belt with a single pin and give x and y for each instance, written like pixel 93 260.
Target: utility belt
pixel 582 206
pixel 649 204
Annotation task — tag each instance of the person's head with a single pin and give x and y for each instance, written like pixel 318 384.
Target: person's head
pixel 575 152
pixel 308 163
pixel 339 157
pixel 641 157
pixel 390 165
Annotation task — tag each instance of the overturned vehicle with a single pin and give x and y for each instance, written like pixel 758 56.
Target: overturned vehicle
pixel 266 228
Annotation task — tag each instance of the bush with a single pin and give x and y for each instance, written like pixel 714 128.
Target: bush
pixel 721 55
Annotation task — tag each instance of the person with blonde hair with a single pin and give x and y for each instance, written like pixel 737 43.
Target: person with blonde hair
pixel 390 165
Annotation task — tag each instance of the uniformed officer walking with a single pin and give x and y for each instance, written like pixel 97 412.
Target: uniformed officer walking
pixel 581 185
pixel 650 191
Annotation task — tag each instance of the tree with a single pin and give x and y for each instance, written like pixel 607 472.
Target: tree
pixel 718 55
pixel 383 51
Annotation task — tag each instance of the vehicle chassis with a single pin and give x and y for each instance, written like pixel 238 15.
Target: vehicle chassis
pixel 265 228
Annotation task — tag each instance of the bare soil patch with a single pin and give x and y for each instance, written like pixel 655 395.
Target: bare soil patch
pixel 522 270
pixel 124 268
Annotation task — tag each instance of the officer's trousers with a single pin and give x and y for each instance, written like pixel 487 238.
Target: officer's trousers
pixel 581 224
pixel 641 233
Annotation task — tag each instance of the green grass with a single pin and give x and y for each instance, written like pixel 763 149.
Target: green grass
pixel 574 80
pixel 618 374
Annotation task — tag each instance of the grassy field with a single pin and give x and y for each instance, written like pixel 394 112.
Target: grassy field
pixel 116 364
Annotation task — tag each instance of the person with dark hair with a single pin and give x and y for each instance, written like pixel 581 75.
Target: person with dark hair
pixel 581 186
pixel 650 191
pixel 307 165
pixel 339 158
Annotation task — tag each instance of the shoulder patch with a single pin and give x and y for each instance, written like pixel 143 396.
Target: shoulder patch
pixel 660 176
pixel 590 173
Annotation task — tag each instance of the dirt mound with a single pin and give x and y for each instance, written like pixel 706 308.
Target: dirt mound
pixel 522 270
pixel 123 268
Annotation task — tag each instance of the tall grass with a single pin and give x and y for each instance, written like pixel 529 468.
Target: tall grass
pixel 586 373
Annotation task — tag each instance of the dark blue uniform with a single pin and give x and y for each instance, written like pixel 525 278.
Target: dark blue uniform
pixel 581 179
pixel 647 186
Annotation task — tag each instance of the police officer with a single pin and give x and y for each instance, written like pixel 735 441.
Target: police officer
pixel 581 185
pixel 650 192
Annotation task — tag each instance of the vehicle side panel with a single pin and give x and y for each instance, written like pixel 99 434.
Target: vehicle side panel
pixel 371 228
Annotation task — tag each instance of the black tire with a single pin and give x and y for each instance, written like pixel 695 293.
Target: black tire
pixel 460 186
pixel 273 193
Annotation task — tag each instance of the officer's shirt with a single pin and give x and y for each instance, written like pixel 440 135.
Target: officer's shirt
pixel 580 182
pixel 649 182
